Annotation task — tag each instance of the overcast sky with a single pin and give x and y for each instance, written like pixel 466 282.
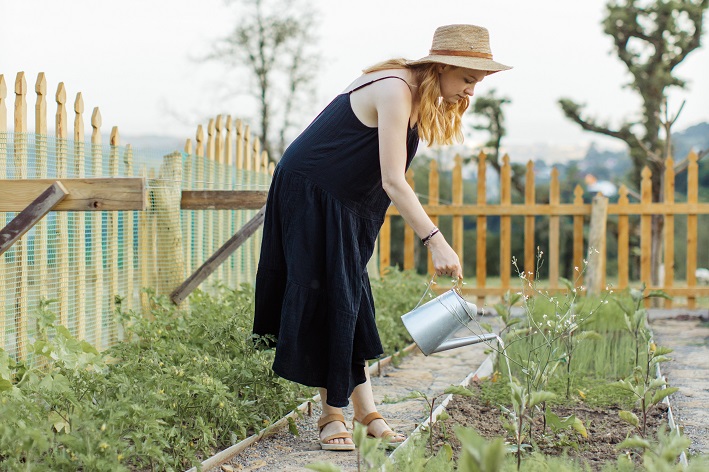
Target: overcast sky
pixel 134 58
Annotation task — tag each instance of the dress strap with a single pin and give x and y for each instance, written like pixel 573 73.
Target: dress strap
pixel 377 80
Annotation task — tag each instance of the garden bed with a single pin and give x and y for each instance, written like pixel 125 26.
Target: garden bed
pixel 605 429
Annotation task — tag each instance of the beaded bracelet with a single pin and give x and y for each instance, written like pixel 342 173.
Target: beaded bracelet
pixel 427 239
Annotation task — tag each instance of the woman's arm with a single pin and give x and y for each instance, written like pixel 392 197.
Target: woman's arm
pixel 393 106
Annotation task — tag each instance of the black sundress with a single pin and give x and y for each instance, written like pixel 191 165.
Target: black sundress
pixel 324 211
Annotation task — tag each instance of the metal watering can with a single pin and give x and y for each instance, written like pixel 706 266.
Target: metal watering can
pixel 433 323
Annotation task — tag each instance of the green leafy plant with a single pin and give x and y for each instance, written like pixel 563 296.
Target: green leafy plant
pixel 648 390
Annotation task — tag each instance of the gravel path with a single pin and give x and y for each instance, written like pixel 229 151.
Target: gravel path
pixel 430 375
pixel 688 335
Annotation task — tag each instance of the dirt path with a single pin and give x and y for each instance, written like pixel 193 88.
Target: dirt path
pixel 688 335
pixel 430 375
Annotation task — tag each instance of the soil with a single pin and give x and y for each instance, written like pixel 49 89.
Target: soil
pixel 605 428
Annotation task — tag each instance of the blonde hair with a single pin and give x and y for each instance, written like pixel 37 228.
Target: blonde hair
pixel 439 122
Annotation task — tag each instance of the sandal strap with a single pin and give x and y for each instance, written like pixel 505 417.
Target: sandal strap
pixel 336 436
pixel 371 417
pixel 325 420
pixel 390 434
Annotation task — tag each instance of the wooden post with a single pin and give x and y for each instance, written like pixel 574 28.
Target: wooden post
pixel 692 198
pixel 97 231
pixel 623 239
pixel 481 229
pixel 669 263
pixel 408 231
pixel 80 260
pixel 505 223
pixel 457 189
pixel 144 247
pixel 433 196
pixel 171 270
pixel 21 250
pixel 219 183
pixel 229 184
pixel 597 245
pixel 128 232
pixel 40 231
pixel 61 231
pixel 646 230
pixel 253 243
pixel 209 183
pixel 578 239
pixel 239 179
pixel 198 253
pixel 529 243
pixel 188 215
pixel 554 199
pixel 112 233
pixel 3 173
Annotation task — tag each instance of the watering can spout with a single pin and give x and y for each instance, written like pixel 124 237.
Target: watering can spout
pixel 433 324
pixel 465 341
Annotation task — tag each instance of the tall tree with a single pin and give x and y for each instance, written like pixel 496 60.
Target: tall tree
pixel 651 37
pixel 488 108
pixel 274 40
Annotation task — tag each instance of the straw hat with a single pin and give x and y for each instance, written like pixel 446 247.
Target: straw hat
pixel 463 46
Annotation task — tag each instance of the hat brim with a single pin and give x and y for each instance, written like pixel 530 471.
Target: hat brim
pixel 476 63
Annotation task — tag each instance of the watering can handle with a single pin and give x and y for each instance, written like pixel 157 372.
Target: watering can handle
pixel 431 282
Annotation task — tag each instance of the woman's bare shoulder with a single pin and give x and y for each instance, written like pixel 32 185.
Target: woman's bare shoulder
pixel 371 76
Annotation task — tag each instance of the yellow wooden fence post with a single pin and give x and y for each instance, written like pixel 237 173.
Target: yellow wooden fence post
pixel 481 229
pixel 61 230
pixel 229 228
pixel 21 249
pixel 433 196
pixel 646 230
pixel 692 198
pixel 669 197
pixel 3 174
pixel 128 232
pixel 80 221
pixel 97 230
pixel 408 231
pixel 112 262
pixel 198 256
pixel 505 223
pixel 457 189
pixel 578 239
pixel 554 231
pixel 623 238
pixel 40 137
pixel 529 243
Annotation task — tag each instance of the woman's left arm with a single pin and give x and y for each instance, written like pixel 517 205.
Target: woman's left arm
pixel 393 105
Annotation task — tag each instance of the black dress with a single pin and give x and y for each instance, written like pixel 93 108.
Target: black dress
pixel 325 208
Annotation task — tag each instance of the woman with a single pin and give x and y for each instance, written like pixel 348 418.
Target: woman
pixel 325 208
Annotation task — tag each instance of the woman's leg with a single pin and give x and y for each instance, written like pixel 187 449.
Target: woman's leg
pixel 334 427
pixel 363 404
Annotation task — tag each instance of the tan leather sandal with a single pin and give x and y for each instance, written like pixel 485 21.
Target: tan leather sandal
pixel 327 446
pixel 387 436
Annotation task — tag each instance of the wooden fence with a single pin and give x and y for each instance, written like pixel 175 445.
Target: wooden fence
pixel 579 211
pixel 92 261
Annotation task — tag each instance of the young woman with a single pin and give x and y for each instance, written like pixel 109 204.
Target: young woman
pixel 325 208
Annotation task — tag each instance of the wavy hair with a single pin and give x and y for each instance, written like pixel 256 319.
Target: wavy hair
pixel 439 122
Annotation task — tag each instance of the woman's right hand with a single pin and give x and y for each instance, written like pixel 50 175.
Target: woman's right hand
pixel 445 261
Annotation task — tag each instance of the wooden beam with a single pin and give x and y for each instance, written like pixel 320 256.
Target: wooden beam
pixel 98 194
pixel 223 199
pixel 222 254
pixel 31 215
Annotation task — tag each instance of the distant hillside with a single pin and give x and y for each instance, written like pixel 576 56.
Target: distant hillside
pixel 695 137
